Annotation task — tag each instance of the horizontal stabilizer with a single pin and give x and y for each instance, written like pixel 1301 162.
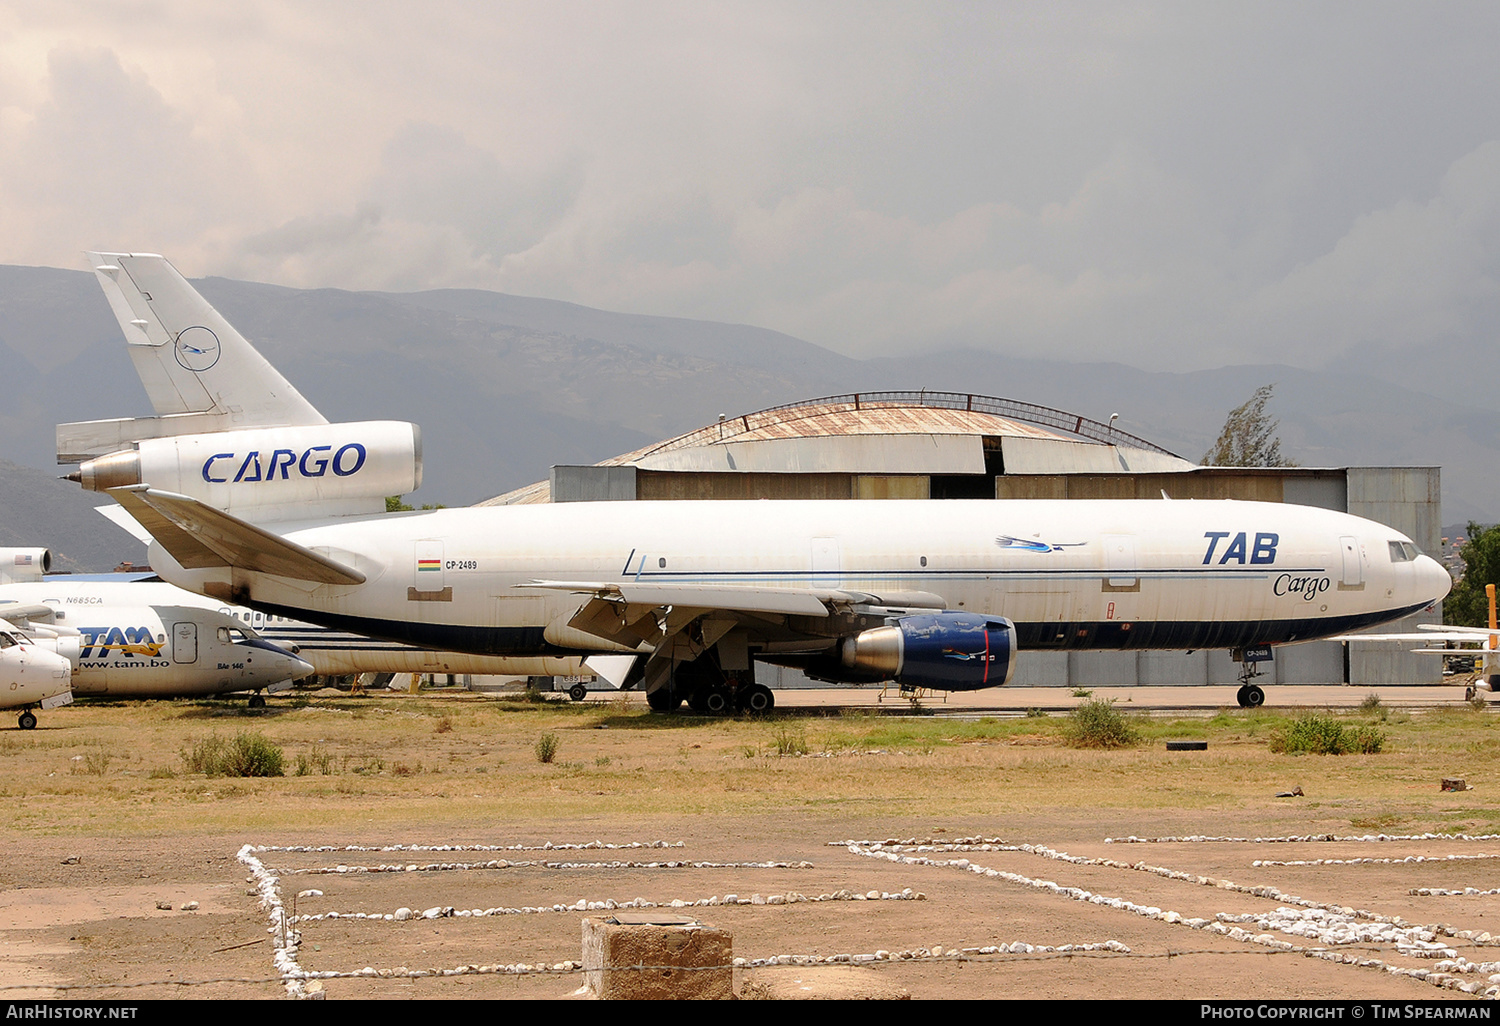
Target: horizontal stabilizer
pixel 122 519
pixel 86 440
pixel 201 537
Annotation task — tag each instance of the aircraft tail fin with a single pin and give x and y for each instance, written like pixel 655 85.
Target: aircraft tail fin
pixel 200 373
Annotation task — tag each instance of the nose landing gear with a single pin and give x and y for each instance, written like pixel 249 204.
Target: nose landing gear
pixel 1250 696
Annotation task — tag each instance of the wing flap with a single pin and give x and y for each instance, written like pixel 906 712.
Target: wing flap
pixel 701 596
pixel 201 537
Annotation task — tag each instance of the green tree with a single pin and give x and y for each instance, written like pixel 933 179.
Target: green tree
pixel 393 504
pixel 1467 605
pixel 1249 437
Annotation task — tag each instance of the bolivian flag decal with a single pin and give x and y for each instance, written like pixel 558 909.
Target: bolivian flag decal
pixel 429 560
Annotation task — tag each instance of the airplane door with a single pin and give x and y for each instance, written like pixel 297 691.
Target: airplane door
pixel 184 643
pixel 1120 562
pixel 827 566
pixel 1354 571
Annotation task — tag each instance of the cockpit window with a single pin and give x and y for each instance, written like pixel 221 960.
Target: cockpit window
pixel 1403 552
pixel 6 641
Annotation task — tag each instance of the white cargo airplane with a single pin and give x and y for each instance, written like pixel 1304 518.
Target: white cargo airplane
pixel 138 640
pixel 261 502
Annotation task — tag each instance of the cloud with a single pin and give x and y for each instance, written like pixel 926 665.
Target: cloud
pixel 1164 185
pixel 1409 273
pixel 105 160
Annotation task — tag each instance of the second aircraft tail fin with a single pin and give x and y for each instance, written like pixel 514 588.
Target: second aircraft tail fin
pixel 199 372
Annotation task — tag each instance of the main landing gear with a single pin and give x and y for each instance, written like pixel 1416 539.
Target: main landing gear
pixel 27 720
pixel 710 691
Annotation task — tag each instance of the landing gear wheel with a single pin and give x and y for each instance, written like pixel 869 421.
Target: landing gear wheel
pixel 663 699
pixel 1239 697
pixel 1469 693
pixel 257 701
pixel 27 721
pixel 756 699
pixel 1254 696
pixel 578 692
pixel 716 701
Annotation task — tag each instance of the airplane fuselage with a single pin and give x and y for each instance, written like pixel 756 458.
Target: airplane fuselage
pixel 30 675
pixel 137 640
pixel 1069 574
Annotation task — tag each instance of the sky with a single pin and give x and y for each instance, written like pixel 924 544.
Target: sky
pixel 1172 186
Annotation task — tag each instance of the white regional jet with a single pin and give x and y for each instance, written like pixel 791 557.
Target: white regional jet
pixel 34 670
pixel 139 640
pixel 938 594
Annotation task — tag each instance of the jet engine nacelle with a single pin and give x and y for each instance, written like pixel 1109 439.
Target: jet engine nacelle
pixel 63 641
pixel 950 651
pixel 324 469
pixel 20 565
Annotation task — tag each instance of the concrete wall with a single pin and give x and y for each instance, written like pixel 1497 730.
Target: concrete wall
pixel 1408 499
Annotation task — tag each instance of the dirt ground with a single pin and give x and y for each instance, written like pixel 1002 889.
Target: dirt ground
pixel 97 873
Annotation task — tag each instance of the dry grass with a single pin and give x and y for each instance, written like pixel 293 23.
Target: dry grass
pixel 379 761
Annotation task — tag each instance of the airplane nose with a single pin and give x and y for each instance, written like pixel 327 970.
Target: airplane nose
pixel 1434 577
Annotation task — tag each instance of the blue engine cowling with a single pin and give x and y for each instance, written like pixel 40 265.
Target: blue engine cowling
pixel 949 651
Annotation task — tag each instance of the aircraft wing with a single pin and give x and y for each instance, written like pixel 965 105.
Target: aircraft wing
pixel 638 614
pixel 199 537
pixel 20 614
pixel 1431 632
pixel 697 596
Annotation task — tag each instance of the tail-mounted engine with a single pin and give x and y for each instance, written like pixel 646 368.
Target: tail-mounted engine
pixel 949 651
pixel 21 565
pixel 273 473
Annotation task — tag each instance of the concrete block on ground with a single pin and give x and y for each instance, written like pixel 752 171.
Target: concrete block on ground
pixel 646 957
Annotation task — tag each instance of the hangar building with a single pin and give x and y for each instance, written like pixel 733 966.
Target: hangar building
pixel 944 445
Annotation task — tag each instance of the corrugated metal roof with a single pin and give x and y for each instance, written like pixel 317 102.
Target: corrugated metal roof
pixel 900 413
pixel 824 420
